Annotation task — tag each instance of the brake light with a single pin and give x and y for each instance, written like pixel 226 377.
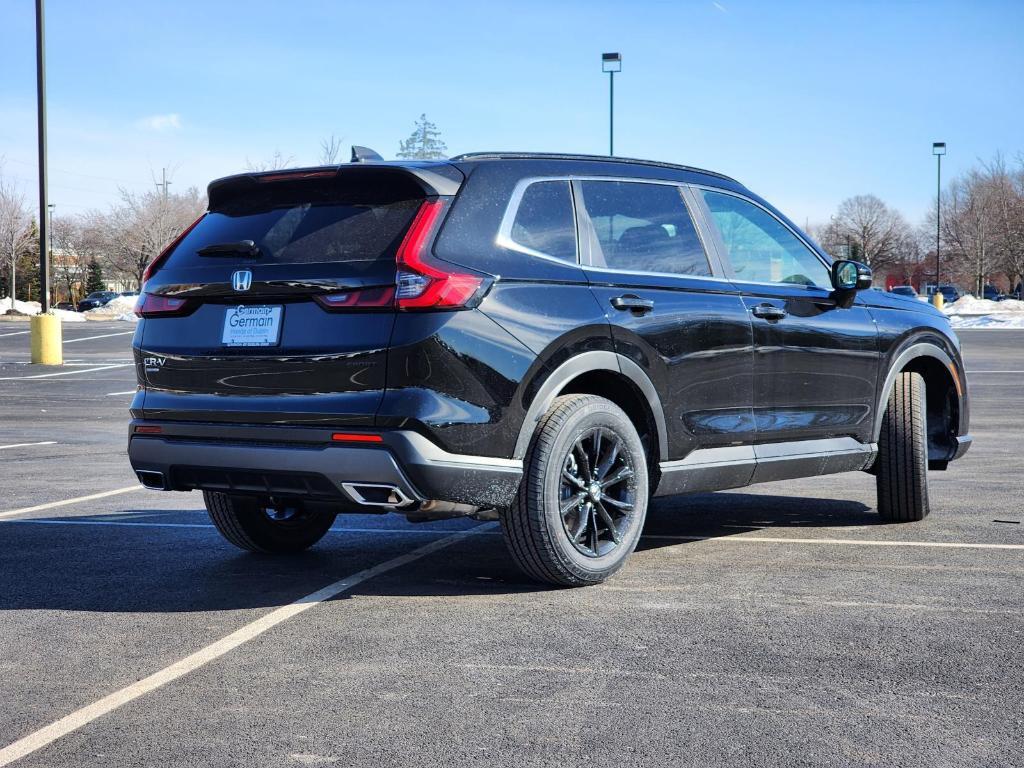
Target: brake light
pixel 359 298
pixel 151 305
pixel 154 265
pixel 423 283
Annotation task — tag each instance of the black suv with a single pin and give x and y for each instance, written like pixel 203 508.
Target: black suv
pixel 547 340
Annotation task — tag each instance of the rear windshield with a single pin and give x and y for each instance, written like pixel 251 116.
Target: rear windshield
pixel 296 224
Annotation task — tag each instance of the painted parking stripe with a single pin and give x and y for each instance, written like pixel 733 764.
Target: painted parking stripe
pixel 128 392
pixel 104 336
pixel 656 537
pixel 28 445
pixel 66 502
pixel 65 373
pixel 72 722
pixel 16 333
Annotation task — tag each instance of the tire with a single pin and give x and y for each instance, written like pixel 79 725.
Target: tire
pixel 246 523
pixel 902 464
pixel 539 536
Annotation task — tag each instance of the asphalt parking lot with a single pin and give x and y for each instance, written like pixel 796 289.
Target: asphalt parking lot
pixel 780 625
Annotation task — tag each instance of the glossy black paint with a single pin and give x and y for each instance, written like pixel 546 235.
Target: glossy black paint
pixel 466 379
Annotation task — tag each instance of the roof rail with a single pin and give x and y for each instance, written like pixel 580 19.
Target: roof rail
pixel 592 158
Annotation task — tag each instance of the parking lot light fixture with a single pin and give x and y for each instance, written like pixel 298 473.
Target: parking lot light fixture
pixel 938 149
pixel 611 63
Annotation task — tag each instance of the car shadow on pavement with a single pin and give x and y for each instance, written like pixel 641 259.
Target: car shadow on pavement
pixel 126 569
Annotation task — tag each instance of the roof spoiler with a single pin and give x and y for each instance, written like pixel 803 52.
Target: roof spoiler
pixel 434 178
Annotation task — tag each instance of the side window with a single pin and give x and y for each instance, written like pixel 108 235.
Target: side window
pixel 544 221
pixel 760 247
pixel 644 228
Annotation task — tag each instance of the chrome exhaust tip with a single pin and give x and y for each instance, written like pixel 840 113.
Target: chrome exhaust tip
pixel 152 480
pixel 377 495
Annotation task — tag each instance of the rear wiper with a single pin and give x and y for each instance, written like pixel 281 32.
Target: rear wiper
pixel 240 248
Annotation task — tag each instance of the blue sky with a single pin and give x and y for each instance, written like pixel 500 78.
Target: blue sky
pixel 805 102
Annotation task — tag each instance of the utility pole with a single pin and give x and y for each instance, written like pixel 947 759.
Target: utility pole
pixel 44 230
pixel 611 63
pixel 938 149
pixel 163 183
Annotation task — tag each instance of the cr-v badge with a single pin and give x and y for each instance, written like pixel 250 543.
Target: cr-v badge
pixel 241 280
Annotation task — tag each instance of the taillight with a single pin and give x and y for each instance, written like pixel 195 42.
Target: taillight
pixel 154 265
pixel 150 305
pixel 424 283
pixel 359 298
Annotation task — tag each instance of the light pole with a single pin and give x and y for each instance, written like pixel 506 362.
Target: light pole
pixel 938 149
pixel 611 63
pixel 44 230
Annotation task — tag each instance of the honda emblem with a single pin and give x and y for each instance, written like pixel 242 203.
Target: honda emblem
pixel 241 280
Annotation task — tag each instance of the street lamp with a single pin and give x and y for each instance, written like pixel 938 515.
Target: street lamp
pixel 611 63
pixel 938 149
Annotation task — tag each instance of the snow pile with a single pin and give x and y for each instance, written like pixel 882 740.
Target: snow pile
pixel 120 308
pixel 968 305
pixel 1008 320
pixel 67 316
pixel 24 307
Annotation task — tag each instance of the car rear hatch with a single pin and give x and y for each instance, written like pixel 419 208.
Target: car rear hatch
pixel 277 306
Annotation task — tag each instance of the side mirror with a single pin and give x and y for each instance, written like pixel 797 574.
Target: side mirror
pixel 848 277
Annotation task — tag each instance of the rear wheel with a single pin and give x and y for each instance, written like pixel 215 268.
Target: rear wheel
pixel 902 464
pixel 250 524
pixel 581 505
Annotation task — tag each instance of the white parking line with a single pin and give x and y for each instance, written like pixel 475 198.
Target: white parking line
pixel 16 333
pixel 66 373
pixel 104 336
pixel 975 373
pixel 72 722
pixel 65 502
pixel 27 445
pixel 129 392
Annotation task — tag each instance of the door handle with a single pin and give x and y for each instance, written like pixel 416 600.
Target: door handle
pixel 769 312
pixel 633 303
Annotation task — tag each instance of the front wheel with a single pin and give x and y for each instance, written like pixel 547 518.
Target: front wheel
pixel 902 465
pixel 581 505
pixel 250 524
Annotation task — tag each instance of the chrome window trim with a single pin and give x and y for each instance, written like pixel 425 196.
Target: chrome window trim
pixel 726 256
pixel 505 239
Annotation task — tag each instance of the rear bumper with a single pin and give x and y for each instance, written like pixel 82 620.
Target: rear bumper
pixel 304 462
pixel 962 445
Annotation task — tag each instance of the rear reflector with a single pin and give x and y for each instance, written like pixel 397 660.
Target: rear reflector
pixel 150 305
pixel 148 429
pixel 356 437
pixel 424 283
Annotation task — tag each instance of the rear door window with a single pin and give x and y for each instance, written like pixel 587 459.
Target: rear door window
pixel 544 222
pixel 642 227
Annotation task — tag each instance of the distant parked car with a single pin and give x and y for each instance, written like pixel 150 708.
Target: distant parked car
pixel 904 290
pixel 69 306
pixel 992 293
pixel 96 299
pixel 132 294
pixel 949 292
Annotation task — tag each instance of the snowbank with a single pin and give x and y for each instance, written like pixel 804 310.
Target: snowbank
pixel 67 316
pixel 968 305
pixel 1009 320
pixel 25 307
pixel 120 308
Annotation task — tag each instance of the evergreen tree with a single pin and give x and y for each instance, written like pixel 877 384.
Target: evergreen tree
pixel 424 144
pixel 94 277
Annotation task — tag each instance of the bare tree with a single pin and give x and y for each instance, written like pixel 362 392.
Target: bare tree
pixel 138 229
pixel 1006 188
pixel 17 229
pixel 967 225
pixel 878 235
pixel 330 150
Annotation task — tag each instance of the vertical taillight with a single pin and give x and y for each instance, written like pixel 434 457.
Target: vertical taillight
pixel 154 265
pixel 424 283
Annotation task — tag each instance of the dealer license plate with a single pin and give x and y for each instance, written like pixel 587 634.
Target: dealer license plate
pixel 252 326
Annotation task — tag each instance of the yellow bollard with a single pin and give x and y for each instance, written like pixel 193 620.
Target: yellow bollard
pixel 938 300
pixel 47 348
